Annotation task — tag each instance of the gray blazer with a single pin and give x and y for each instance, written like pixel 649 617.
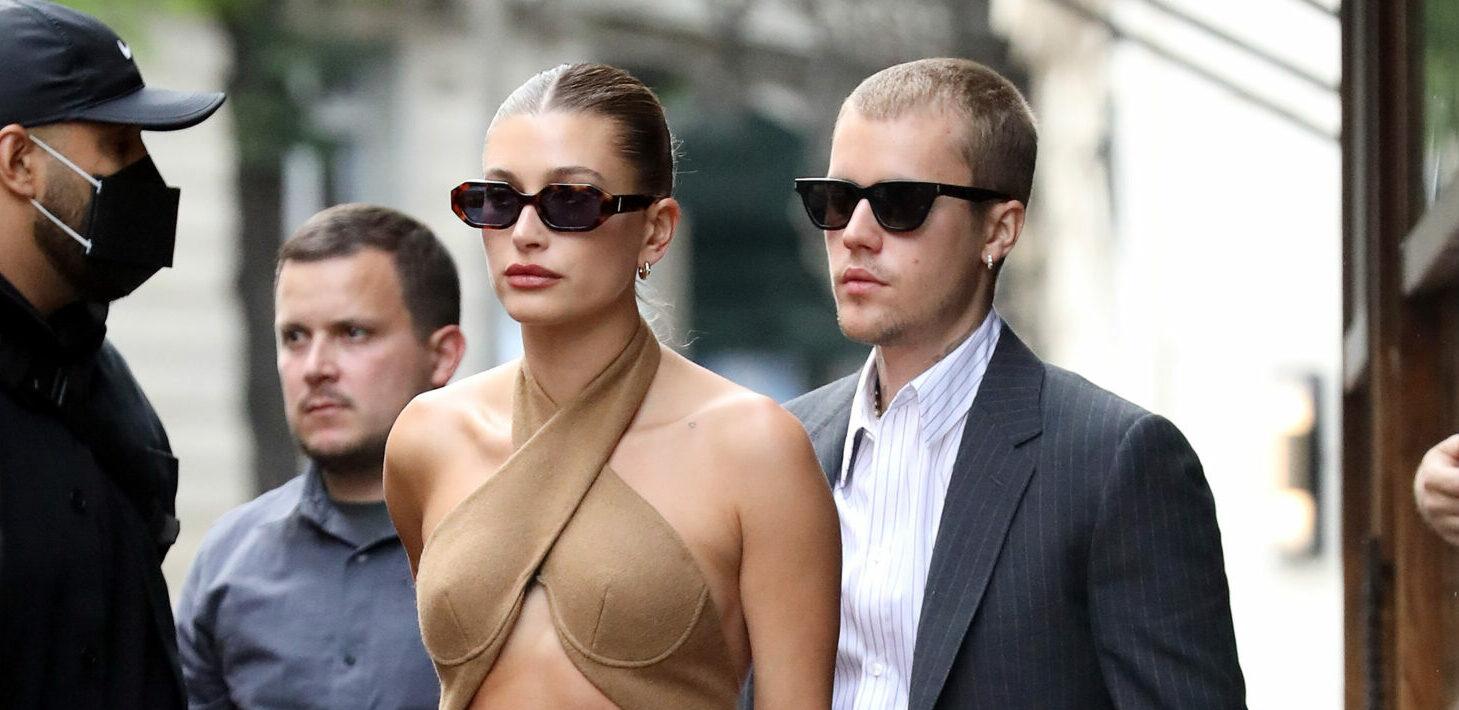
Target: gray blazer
pixel 1078 564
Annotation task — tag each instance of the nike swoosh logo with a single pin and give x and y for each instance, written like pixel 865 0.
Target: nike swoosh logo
pixel 126 51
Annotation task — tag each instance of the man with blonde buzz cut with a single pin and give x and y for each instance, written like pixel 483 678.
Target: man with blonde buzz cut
pixel 1013 536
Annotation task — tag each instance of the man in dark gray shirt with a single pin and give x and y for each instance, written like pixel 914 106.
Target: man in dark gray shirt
pixel 302 598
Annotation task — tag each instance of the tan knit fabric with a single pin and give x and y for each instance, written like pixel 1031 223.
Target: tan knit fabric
pixel 631 607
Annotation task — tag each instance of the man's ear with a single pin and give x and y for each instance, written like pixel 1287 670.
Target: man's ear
pixel 448 347
pixel 1003 226
pixel 19 163
pixel 663 220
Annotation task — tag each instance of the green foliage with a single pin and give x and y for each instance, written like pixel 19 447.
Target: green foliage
pixel 135 11
pixel 130 18
pixel 276 68
pixel 1441 87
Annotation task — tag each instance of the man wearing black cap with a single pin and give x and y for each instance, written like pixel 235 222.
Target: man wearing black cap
pixel 87 478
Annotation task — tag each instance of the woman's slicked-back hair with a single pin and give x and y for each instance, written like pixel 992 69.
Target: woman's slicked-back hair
pixel 643 133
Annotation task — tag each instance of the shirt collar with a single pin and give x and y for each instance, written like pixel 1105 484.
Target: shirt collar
pixel 863 405
pixel 74 331
pixel 316 507
pixel 943 392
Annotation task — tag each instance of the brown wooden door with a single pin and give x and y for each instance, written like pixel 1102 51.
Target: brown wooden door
pixel 1401 362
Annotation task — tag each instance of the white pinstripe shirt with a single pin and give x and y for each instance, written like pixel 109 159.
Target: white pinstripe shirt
pixel 889 496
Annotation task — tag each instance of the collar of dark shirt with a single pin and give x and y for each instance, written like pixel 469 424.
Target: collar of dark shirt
pixel 75 332
pixel 321 511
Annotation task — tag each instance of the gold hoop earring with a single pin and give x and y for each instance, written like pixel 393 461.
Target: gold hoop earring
pixel 644 271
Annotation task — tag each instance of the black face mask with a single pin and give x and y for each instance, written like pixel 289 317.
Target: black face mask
pixel 130 229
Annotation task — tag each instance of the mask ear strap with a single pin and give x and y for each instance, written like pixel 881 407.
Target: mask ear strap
pixel 66 227
pixel 57 155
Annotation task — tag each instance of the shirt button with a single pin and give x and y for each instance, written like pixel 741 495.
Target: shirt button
pixel 78 500
pixel 360 558
pixel 877 669
pixel 349 660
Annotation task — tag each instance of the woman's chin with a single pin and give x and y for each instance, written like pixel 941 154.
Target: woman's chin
pixel 541 314
pixel 536 309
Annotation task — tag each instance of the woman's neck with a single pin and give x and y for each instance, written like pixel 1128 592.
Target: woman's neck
pixel 563 358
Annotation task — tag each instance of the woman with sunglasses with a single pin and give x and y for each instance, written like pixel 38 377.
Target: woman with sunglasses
pixel 603 523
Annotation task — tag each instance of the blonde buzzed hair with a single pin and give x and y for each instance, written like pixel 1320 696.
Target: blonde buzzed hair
pixel 1000 139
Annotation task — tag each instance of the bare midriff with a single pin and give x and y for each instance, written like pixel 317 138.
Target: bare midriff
pixel 533 671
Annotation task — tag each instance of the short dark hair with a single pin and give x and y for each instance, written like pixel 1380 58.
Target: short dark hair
pixel 643 132
pixel 1000 137
pixel 428 280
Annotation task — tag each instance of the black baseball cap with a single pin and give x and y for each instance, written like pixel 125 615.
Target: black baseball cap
pixel 64 65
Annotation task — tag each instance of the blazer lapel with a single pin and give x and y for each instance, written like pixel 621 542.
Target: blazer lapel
pixel 992 469
pixel 826 415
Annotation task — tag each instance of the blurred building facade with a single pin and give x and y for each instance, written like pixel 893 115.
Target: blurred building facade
pixel 1183 246
pixel 1186 227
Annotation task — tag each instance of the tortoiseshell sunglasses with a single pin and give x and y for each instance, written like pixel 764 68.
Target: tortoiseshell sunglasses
pixel 563 207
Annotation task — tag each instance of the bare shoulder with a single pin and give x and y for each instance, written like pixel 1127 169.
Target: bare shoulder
pixel 734 410
pixel 465 413
pixel 751 426
pixel 748 433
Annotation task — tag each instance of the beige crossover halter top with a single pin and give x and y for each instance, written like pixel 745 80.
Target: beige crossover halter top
pixel 631 607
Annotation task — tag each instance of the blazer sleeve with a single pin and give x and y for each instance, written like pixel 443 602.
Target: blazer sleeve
pixel 1160 607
